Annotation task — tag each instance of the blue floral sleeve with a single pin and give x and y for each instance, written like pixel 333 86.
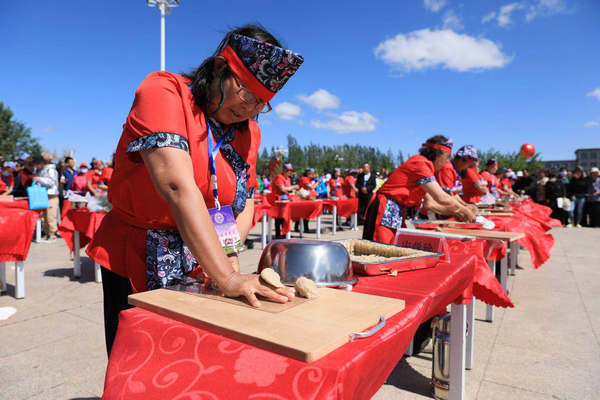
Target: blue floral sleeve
pixel 159 139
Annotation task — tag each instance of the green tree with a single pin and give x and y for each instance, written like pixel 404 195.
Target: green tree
pixel 514 160
pixel 15 137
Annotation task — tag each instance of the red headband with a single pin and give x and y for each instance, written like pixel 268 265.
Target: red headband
pixel 249 80
pixel 439 147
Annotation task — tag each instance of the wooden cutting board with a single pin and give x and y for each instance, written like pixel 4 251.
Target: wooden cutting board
pixel 305 332
pixel 486 234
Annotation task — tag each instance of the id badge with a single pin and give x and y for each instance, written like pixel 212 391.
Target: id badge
pixel 227 230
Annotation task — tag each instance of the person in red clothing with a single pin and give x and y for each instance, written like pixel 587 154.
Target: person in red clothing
pixel 507 182
pixel 185 163
pixel 489 175
pixel 336 184
pixel 350 189
pixel 107 173
pixel 95 184
pixel 308 184
pixel 7 180
pixel 449 179
pixel 281 189
pixel 412 184
pixel 80 180
pixel 473 185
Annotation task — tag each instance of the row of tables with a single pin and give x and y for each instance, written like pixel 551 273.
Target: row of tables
pixel 341 374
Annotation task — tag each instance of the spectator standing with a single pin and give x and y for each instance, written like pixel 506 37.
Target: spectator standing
pixel 365 183
pixel 540 187
pixel 577 191
pixel 555 192
pixel 593 198
pixel 47 176
pixel 69 173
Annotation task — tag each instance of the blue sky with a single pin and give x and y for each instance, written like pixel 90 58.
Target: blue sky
pixel 383 73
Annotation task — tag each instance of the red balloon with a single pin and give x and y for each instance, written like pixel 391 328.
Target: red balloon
pixel 527 150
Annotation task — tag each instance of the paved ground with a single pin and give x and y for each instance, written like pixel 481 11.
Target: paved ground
pixel 548 347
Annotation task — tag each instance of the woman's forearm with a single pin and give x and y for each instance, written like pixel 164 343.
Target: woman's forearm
pixel 196 228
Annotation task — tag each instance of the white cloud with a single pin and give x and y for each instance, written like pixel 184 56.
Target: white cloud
pixel 321 100
pixel 452 21
pixel 488 17
pixel 440 48
pixel 434 5
pixel 504 18
pixel 347 122
pixel 532 9
pixel 545 8
pixel 287 111
pixel 591 124
pixel 595 93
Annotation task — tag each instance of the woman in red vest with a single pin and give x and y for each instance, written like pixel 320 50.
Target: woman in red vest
pixel 184 166
pixel 412 185
pixel 473 185
pixel 336 184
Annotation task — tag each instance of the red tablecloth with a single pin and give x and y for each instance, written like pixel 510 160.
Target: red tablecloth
pixel 260 209
pixel 537 213
pixel 294 210
pixel 20 204
pixel 155 357
pixel 345 207
pixel 16 232
pixel 536 241
pixel 82 220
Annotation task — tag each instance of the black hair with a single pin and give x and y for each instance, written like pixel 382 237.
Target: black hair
pixel 67 159
pixel 203 76
pixel 431 153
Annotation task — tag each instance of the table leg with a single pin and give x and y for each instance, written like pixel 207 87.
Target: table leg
pixel 288 235
pixel 504 273
pixel 333 230
pixel 269 231
pixel 489 310
pixel 319 227
pixel 470 334
pixel 263 231
pixel 19 280
pixel 97 273
pixel 301 227
pixel 2 277
pixel 514 257
pixel 457 351
pixel 411 348
pixel 76 256
pixel 355 222
pixel 38 230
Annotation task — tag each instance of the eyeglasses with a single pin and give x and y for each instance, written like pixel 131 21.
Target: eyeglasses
pixel 250 99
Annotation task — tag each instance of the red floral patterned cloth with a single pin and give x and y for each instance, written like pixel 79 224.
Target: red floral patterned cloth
pixel 345 207
pixel 82 220
pixel 155 357
pixel 16 232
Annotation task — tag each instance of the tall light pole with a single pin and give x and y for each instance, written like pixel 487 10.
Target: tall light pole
pixel 165 9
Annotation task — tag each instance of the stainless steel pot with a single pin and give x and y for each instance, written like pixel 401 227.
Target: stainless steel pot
pixel 326 263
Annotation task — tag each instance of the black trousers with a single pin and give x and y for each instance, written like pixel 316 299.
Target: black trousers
pixel 363 202
pixel 594 207
pixel 278 225
pixel 115 289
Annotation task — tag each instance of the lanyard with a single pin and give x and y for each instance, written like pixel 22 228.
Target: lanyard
pixel 212 154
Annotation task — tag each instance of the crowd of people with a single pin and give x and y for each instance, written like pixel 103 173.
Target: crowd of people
pixel 61 179
pixel 574 196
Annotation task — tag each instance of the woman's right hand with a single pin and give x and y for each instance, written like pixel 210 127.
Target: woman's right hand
pixel 249 285
pixel 466 214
